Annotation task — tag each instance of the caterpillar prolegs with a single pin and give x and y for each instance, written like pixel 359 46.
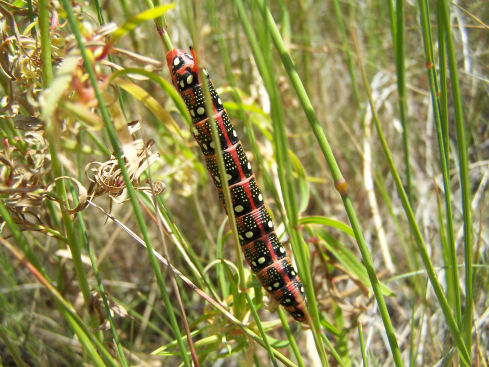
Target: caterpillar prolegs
pixel 261 246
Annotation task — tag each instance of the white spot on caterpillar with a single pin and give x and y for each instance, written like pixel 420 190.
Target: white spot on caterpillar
pixel 195 131
pixel 200 110
pixel 205 72
pixel 249 166
pixel 241 238
pixel 260 197
pixel 204 145
pixel 276 284
pixel 239 208
pixel 270 289
pixel 253 263
pixel 292 272
pixel 261 260
pixel 192 112
pixel 176 61
pixel 301 289
pixel 270 224
pixel 219 101
pixel 235 134
pixel 182 84
pixel 190 79
pixel 211 144
pixel 288 300
pixel 282 250
pixel 249 234
pixel 217 178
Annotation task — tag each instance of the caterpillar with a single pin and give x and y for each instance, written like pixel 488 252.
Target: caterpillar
pixel 261 247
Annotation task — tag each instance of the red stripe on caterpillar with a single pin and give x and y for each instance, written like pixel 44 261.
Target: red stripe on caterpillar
pixel 261 246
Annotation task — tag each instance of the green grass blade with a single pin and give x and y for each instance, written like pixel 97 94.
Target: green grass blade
pixel 463 172
pixel 340 183
pixel 398 39
pixel 46 64
pixel 298 244
pixel 362 345
pixel 47 69
pixel 328 222
pixel 441 120
pixel 115 334
pixel 131 192
pixel 452 325
pixel 136 20
pixel 83 332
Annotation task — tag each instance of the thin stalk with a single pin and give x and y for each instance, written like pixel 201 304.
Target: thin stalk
pixel 298 244
pixel 19 238
pixel 82 331
pixel 134 40
pixel 442 65
pixel 160 24
pixel 464 174
pixel 108 311
pixel 453 293
pixel 197 269
pixel 202 294
pixel 392 16
pixel 100 14
pixel 230 212
pixel 251 137
pixel 31 15
pixel 11 347
pixel 340 182
pixel 342 339
pixel 261 330
pixel 47 76
pixel 440 117
pixel 68 222
pixel 243 117
pixel 46 68
pixel 85 341
pixel 362 344
pixel 401 89
pixel 224 183
pixel 333 351
pixel 306 41
pixel 450 320
pixel 131 192
pixel 347 51
pixel 290 337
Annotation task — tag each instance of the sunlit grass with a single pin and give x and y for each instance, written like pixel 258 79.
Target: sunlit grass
pixel 365 123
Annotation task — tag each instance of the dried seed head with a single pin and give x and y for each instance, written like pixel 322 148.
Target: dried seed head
pixel 106 177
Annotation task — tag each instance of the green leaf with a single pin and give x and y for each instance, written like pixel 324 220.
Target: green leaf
pixel 167 87
pixel 302 181
pixel 150 102
pixel 349 260
pixel 138 19
pixel 327 222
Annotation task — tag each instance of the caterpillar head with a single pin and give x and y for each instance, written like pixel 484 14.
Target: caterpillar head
pixel 183 69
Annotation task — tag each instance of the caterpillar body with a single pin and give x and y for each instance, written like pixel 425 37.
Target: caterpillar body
pixel 261 247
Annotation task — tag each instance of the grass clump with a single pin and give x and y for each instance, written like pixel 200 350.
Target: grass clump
pixel 366 123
